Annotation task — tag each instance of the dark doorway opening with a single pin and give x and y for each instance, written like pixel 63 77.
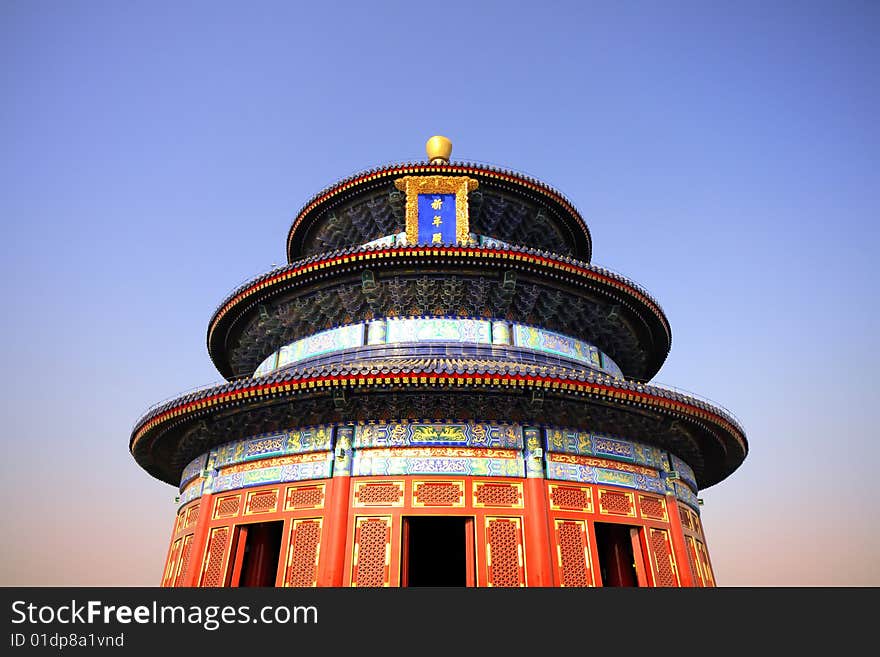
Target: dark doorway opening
pixel 618 550
pixel 438 551
pixel 255 551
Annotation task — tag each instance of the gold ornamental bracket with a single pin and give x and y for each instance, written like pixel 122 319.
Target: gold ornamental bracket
pixel 431 195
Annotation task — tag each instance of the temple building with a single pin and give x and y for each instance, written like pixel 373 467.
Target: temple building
pixel 439 389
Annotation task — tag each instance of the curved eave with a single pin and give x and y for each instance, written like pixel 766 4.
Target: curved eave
pixel 247 297
pixel 722 441
pixel 350 187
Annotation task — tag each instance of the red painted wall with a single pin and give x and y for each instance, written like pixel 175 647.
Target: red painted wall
pixel 531 532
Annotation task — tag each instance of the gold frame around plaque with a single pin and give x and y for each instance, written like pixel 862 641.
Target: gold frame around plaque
pixel 415 185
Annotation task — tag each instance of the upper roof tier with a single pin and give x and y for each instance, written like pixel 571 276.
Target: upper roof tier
pixel 505 205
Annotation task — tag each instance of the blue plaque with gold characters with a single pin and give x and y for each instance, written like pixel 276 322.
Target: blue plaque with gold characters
pixel 436 218
pixel 436 208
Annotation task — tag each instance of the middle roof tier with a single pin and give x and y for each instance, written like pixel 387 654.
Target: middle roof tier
pixel 535 288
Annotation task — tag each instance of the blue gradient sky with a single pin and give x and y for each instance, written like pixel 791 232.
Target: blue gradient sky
pixel 725 156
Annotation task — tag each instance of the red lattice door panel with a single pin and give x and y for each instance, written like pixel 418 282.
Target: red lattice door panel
pixel 694 561
pixel 192 516
pixel 685 517
pixel 371 564
pixel 704 562
pixel 303 552
pixel 171 566
pixel 573 553
pixel 504 552
pixel 183 563
pixel 662 559
pixel 214 568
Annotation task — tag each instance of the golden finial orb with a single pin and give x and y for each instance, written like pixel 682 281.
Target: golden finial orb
pixel 439 149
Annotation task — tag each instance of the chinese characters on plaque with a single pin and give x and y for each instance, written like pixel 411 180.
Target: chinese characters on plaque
pixel 437 219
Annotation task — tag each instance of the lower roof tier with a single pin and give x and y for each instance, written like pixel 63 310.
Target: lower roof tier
pixel 536 288
pixel 489 388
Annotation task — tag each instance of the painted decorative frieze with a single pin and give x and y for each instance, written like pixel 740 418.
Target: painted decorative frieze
pixel 423 434
pixel 590 444
pixel 463 461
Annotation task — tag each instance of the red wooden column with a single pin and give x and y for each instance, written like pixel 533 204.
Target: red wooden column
pixel 539 564
pixel 331 570
pixel 679 547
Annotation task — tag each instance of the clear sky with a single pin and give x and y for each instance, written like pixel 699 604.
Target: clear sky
pixel 726 156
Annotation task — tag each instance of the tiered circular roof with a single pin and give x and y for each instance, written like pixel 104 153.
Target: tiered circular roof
pixel 534 270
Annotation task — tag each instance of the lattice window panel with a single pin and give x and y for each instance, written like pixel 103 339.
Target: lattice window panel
pixel 685 515
pixel 573 553
pixel 704 561
pixel 261 502
pixel 304 497
pixel 214 569
pixel 616 503
pixel 571 498
pixel 171 566
pixel 372 552
pixel 504 552
pixel 661 552
pixel 302 553
pixel 694 561
pixel 653 507
pixel 438 493
pixel 695 520
pixel 226 507
pixel 183 564
pixel 498 495
pixel 178 523
pixel 378 493
pixel 192 516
